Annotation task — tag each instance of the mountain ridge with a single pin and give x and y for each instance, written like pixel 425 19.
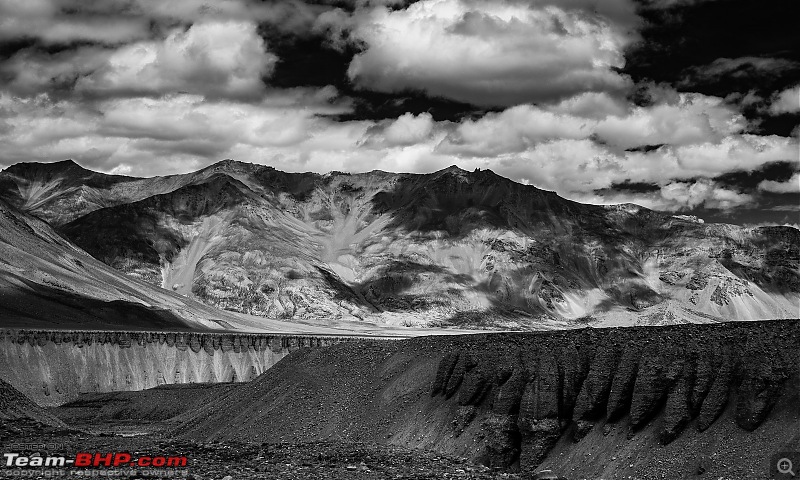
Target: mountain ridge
pixel 48 282
pixel 449 248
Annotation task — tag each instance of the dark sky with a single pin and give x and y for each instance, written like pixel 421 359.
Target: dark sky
pixel 689 106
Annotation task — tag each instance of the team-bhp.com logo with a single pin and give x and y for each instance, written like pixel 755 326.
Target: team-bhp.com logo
pixel 85 459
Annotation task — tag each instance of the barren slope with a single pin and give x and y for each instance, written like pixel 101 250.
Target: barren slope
pixel 47 282
pixel 19 415
pixel 609 403
pixel 452 248
pixel 63 191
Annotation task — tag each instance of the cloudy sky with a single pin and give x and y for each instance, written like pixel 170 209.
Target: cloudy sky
pixel 690 106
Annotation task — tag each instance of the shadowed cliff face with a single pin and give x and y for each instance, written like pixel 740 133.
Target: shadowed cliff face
pixel 511 400
pixel 529 398
pixel 53 367
pixel 451 248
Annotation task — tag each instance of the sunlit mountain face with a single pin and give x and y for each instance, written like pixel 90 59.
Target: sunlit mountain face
pixel 447 249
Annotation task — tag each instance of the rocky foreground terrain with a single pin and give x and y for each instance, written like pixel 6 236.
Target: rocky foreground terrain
pixel 585 403
pixel 448 249
pixel 689 401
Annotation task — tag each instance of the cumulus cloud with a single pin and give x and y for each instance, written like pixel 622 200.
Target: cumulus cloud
pixel 684 196
pixel 692 118
pixel 488 52
pixel 408 129
pixel 31 72
pixel 45 20
pixel 591 105
pixel 122 21
pixel 144 47
pixel 787 101
pixel 213 58
pixel 790 186
pixel 513 130
pixel 681 120
pixel 749 99
pixel 172 133
pixel 681 197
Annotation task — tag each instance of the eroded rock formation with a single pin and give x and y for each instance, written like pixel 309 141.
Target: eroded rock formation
pixel 52 367
pixel 547 386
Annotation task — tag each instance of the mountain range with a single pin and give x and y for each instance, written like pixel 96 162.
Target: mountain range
pixel 447 249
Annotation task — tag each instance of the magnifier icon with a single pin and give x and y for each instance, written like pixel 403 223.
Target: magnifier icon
pixel 785 466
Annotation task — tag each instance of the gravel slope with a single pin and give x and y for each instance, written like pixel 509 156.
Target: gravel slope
pixel 673 397
pixel 19 415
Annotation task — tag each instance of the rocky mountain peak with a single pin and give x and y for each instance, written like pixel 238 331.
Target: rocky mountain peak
pixel 233 166
pixel 48 169
pixel 453 169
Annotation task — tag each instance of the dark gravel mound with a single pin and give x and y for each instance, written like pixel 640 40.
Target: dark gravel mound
pixel 636 397
pixel 152 405
pixel 19 415
pixel 284 461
